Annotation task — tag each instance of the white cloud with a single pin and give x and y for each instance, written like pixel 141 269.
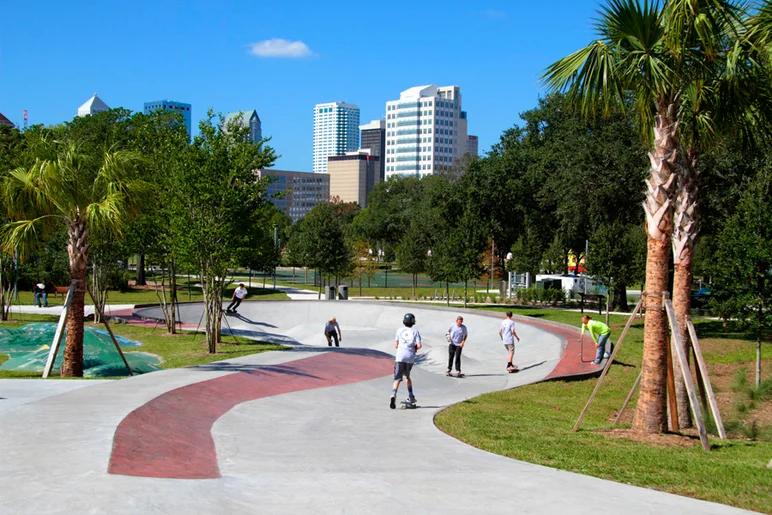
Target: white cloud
pixel 280 48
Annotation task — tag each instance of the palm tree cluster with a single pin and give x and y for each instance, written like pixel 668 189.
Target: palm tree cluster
pixel 690 71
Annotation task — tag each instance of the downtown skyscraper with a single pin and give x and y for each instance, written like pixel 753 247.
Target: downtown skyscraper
pixel 336 131
pixel 426 131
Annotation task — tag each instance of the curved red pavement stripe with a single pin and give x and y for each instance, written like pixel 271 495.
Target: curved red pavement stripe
pixel 171 436
pixel 570 363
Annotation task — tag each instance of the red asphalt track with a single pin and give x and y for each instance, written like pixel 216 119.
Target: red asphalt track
pixel 165 438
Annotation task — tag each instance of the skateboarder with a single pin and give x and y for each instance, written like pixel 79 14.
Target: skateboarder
pixel 507 334
pixel 456 337
pixel 407 342
pixel 332 332
pixel 238 295
pixel 600 333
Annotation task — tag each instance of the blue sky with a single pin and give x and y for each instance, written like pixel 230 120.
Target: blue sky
pixel 54 55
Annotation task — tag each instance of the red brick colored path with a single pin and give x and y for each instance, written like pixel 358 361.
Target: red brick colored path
pixel 571 364
pixel 165 438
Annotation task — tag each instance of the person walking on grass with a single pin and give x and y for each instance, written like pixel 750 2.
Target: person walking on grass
pixel 408 343
pixel 507 334
pixel 332 332
pixel 600 333
pixel 456 337
pixel 238 295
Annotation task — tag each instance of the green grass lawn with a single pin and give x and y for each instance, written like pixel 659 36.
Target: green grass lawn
pixel 143 296
pixel 533 423
pixel 180 350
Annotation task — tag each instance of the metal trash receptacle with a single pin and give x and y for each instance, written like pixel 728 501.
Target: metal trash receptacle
pixel 343 292
pixel 329 292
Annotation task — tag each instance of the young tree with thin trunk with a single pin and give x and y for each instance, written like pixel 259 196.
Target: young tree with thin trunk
pixel 218 204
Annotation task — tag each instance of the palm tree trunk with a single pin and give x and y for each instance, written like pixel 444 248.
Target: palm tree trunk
pixel 685 232
pixel 77 248
pixel 651 412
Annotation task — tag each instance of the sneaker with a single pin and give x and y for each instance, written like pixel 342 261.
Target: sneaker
pixel 411 400
pixel 392 403
pixel 448 373
pixel 596 362
pixel 606 355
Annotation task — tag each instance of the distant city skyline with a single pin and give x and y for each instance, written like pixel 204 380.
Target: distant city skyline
pixel 205 55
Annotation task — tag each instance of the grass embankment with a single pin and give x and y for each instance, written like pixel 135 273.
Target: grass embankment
pixel 534 423
pixel 148 296
pixel 181 350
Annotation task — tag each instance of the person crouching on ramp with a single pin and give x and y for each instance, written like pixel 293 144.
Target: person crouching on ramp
pixel 332 332
pixel 407 342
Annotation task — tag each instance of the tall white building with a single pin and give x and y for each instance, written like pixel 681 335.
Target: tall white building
pixel 425 131
pixel 336 131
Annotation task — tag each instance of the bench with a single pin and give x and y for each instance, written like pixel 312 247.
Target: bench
pixel 592 298
pixel 61 290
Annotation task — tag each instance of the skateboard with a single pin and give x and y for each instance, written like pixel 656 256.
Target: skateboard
pixel 451 374
pixel 513 370
pixel 408 405
pixel 231 312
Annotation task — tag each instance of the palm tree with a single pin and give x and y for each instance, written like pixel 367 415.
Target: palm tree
pixel 729 96
pixel 641 60
pixel 84 194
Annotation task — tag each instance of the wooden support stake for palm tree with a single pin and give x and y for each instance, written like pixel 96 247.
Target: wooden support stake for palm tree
pixel 608 363
pixel 627 400
pixel 703 371
pixel 686 373
pixel 59 332
pixel 671 392
pixel 107 326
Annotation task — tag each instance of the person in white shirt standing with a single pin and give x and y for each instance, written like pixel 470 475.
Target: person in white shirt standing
pixel 456 337
pixel 507 334
pixel 407 342
pixel 238 295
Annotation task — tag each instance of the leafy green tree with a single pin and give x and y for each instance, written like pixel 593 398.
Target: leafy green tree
pixel 742 275
pixel 321 242
pixel 617 258
pixel 82 192
pixel 217 204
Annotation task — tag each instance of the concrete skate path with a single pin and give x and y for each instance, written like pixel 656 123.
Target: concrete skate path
pixel 301 431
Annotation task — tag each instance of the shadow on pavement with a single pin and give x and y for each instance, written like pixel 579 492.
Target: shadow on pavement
pixel 254 369
pixel 532 366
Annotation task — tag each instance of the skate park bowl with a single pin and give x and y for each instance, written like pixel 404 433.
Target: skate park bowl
pixel 373 325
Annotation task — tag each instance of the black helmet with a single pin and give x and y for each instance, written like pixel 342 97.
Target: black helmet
pixel 408 319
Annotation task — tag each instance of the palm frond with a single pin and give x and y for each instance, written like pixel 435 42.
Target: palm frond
pixel 22 236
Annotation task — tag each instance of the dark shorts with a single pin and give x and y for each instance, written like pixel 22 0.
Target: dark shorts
pixel 402 369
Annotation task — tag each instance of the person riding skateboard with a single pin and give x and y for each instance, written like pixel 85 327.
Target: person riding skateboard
pixel 456 337
pixel 507 334
pixel 238 295
pixel 332 332
pixel 407 342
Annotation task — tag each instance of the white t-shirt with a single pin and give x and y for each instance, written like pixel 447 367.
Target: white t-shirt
pixel 507 326
pixel 457 334
pixel 407 337
pixel 241 293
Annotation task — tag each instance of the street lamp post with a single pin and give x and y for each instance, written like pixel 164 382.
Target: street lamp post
pixel 275 248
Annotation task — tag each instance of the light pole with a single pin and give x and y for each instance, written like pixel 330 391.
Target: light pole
pixel 276 249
